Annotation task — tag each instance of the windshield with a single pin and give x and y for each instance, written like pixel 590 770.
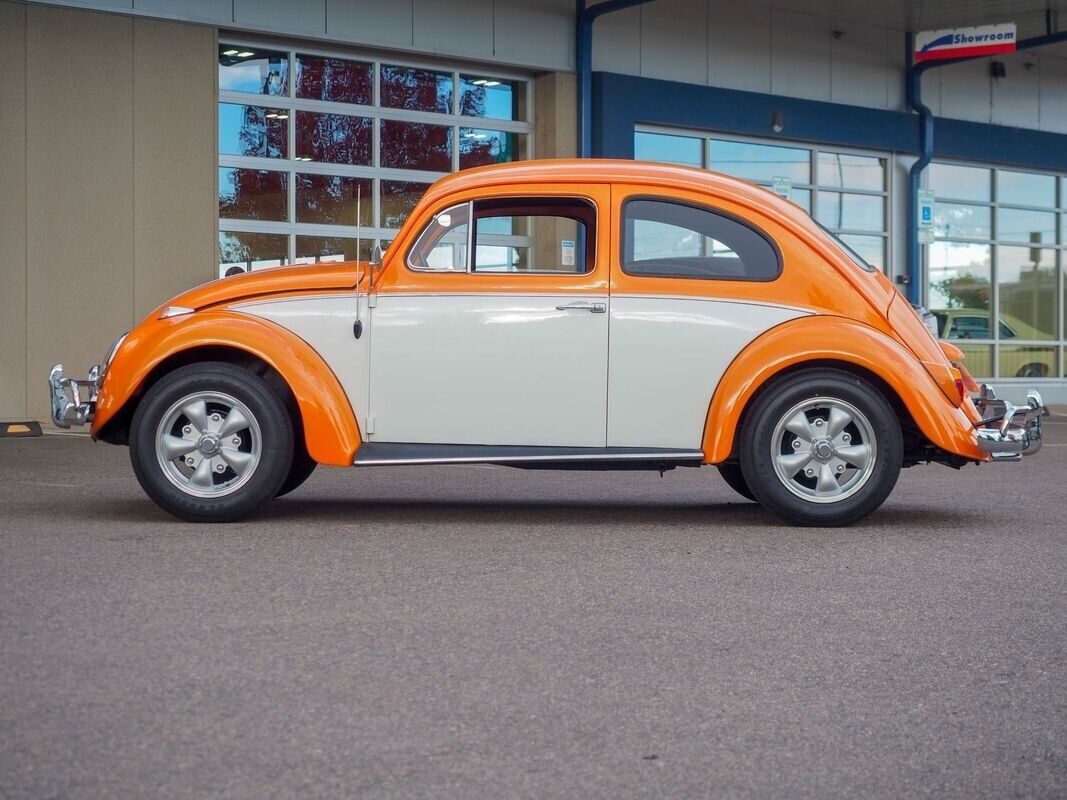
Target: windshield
pixel 861 262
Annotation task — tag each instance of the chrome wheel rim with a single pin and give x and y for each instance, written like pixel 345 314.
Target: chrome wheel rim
pixel 208 444
pixel 824 450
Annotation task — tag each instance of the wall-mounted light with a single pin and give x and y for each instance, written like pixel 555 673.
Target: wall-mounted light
pixel 997 69
pixel 245 54
pixel 230 52
pixel 777 121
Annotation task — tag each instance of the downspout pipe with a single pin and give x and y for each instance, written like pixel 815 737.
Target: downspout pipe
pixel 586 16
pixel 926 145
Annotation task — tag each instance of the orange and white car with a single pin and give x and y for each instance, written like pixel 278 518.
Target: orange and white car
pixel 546 315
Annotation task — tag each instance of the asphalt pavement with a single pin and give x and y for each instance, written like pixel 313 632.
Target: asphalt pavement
pixel 473 632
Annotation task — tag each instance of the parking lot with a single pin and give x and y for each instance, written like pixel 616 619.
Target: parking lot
pixel 474 632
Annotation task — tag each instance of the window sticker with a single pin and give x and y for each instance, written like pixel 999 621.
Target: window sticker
pixel 566 252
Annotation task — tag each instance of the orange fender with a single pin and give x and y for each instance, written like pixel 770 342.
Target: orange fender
pixel 819 338
pixel 331 432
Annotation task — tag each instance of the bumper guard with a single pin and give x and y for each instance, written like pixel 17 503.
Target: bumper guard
pixel 1008 432
pixel 73 400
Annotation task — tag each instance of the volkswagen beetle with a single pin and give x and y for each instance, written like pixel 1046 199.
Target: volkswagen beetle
pixel 547 315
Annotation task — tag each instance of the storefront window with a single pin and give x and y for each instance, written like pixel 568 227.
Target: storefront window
pixel 336 148
pixel 994 273
pixel 687 150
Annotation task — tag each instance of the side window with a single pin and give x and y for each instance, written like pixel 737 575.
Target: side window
pixel 542 234
pixel 667 238
pixel 442 245
pixel 515 235
pixel 970 327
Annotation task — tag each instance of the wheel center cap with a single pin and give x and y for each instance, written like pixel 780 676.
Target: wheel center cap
pixel 824 449
pixel 209 444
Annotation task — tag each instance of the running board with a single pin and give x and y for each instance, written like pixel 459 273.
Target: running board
pixel 381 454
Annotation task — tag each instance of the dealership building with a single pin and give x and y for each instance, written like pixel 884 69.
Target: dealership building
pixel 152 145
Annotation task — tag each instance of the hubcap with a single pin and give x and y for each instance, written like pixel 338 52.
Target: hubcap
pixel 208 444
pixel 823 450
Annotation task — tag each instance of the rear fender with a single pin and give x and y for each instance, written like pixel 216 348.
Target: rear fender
pixel 822 339
pixel 330 429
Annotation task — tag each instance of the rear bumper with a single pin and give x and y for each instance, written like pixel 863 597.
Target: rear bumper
pixel 73 400
pixel 1008 432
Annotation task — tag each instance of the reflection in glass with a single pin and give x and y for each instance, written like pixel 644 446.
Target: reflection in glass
pixel 398 199
pixel 335 79
pixel 960 276
pixel 851 172
pixel 668 148
pixel 332 199
pixel 1020 361
pixel 333 138
pixel 961 183
pixel 243 252
pixel 802 197
pixel 490 97
pixel 760 162
pixel 253 131
pixel 978 358
pixel 479 147
pixel 862 212
pixel 315 249
pixel 1025 188
pixel 870 248
pixel 253 70
pixel 416 89
pixel 956 220
pixel 1020 225
pixel 253 194
pixel 1026 278
pixel 416 145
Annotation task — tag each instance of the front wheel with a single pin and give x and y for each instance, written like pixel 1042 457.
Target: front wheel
pixel 823 448
pixel 211 442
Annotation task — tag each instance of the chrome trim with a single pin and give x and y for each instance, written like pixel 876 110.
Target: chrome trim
pixel 679 455
pixel 592 308
pixel 175 311
pixel 73 400
pixel 1008 432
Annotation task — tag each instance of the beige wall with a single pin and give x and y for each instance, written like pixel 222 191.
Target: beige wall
pixel 107 203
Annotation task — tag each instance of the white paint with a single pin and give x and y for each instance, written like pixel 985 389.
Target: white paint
pixel 667 356
pixel 489 369
pixel 326 323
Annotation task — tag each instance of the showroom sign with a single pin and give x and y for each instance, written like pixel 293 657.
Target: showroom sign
pixel 982 40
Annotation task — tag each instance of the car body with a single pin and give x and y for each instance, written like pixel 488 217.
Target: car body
pixel 553 314
pixel 1022 361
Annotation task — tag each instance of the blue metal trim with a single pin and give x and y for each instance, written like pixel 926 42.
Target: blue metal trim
pixel 584 62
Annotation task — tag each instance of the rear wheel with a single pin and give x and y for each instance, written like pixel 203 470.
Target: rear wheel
pixel 823 448
pixel 211 442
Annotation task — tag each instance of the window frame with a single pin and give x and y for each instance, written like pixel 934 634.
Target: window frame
pixel 779 261
pixel 592 249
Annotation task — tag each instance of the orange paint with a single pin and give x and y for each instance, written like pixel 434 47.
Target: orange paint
pixel 330 429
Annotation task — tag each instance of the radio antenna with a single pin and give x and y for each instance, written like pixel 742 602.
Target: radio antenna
pixel 357 327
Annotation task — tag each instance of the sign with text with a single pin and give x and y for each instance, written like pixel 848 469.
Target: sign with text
pixel 983 40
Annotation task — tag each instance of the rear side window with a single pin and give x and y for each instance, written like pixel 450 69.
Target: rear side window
pixel 669 239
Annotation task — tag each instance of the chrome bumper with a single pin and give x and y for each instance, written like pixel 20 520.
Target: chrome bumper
pixel 1008 432
pixel 73 401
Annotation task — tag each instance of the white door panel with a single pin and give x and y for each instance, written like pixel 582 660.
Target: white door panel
pixel 326 323
pixel 667 355
pixel 489 369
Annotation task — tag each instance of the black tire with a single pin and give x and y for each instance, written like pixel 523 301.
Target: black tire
pixel 301 469
pixel 735 479
pixel 774 406
pixel 275 430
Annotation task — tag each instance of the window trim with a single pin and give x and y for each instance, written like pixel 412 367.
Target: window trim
pixel 470 201
pixel 779 261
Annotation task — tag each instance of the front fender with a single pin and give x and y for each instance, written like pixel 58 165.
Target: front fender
pixel 330 429
pixel 826 338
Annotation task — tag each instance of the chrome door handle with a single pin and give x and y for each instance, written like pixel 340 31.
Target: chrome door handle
pixel 592 308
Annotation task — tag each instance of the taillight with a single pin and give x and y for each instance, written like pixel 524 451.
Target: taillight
pixel 961 386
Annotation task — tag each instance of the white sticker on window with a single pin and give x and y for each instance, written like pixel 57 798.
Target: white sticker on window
pixel 566 253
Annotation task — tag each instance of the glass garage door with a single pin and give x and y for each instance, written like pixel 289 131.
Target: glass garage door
pixel 847 191
pixel 317 146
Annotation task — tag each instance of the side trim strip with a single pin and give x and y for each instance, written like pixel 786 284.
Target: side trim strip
pixel 377 454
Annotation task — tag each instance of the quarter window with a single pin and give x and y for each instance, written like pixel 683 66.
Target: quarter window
pixel 664 238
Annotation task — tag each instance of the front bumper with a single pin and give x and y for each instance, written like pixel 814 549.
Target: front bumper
pixel 1008 432
pixel 73 400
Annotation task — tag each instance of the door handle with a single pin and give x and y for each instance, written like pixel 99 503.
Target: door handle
pixel 592 308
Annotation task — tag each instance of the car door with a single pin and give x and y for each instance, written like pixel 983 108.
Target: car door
pixel 689 291
pixel 492 327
